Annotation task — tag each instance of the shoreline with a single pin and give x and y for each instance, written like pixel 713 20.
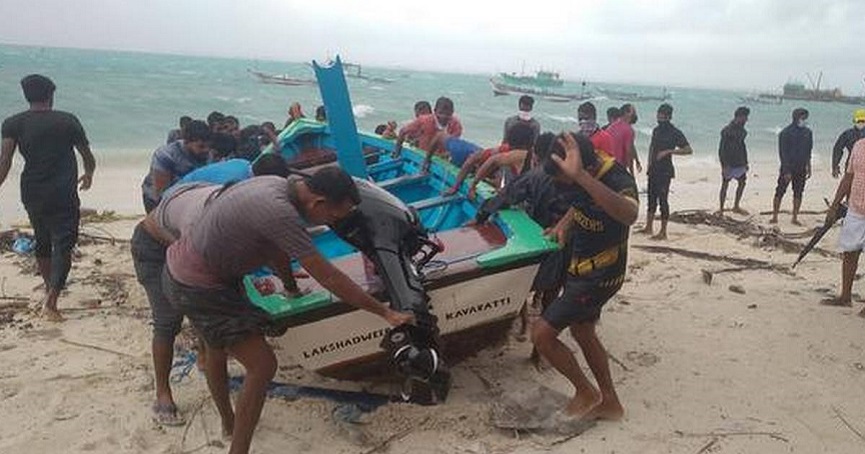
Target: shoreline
pixel 117 186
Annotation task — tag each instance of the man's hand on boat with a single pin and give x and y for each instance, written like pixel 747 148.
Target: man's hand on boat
pixel 395 318
pixel 347 291
pixel 562 230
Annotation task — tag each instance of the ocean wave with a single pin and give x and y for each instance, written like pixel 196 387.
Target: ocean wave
pixel 562 119
pixel 243 100
pixel 646 131
pixel 699 162
pixel 376 88
pixel 362 110
pixel 774 130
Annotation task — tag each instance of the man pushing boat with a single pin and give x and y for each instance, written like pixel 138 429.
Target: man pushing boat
pixel 246 226
pixel 598 227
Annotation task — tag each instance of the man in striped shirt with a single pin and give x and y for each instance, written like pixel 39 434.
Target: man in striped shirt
pixel 255 223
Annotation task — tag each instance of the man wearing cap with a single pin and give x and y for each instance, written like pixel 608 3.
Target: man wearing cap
pixel 846 141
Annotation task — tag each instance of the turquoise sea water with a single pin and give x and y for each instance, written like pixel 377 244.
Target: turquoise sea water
pixel 128 101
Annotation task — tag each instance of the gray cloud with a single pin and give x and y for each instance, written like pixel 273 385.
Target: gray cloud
pixel 734 43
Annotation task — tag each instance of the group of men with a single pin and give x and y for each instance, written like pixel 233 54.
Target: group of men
pixel 208 225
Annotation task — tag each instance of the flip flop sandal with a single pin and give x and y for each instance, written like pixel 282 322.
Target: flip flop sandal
pixel 167 415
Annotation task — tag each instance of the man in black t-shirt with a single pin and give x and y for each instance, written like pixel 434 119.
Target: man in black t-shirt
pixel 45 138
pixel 667 140
pixel 733 155
pixel 597 226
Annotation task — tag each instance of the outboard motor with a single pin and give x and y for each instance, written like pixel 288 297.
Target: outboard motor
pixel 391 236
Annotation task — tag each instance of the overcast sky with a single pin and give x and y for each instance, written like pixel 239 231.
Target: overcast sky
pixel 743 44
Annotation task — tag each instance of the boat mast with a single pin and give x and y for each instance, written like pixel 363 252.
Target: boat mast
pixel 340 118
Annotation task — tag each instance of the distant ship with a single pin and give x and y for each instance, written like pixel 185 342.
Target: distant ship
pixel 634 97
pixel 762 98
pixel 798 92
pixel 540 79
pixel 500 89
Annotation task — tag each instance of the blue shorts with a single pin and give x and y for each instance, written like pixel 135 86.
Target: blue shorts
pixel 459 150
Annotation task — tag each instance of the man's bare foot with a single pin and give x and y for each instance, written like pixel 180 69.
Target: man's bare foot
pixel 660 237
pixel 582 404
pixel 796 222
pixel 645 231
pixel 51 315
pixel 608 409
pixel 741 211
pixel 773 221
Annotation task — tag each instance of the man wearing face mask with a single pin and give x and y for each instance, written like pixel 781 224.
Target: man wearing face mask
pixel 846 141
pixel 526 104
pixel 587 116
pixel 794 147
pixel 667 140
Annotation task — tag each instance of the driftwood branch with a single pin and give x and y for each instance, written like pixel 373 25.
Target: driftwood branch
pixel 97 348
pixel 723 434
pixel 740 262
pixel 708 445
pixel 765 237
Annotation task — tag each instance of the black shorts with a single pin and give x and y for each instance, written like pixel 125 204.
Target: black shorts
pixel 222 316
pixel 798 181
pixel 148 257
pixel 552 271
pixel 581 301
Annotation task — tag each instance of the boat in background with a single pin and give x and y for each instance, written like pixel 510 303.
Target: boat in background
pixel 796 91
pixel 503 89
pixel 541 78
pixel 358 74
pixel 475 285
pixel 282 79
pixel 628 96
pixel 762 98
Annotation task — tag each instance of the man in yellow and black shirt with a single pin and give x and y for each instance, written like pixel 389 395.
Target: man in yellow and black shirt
pixel 598 226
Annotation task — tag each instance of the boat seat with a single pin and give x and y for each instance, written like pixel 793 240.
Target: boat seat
pixel 435 201
pixel 401 180
pixel 385 166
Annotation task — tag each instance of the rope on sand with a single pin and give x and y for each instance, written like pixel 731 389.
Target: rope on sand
pixel 182 368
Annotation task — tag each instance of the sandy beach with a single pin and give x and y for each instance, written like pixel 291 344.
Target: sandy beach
pixel 748 363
